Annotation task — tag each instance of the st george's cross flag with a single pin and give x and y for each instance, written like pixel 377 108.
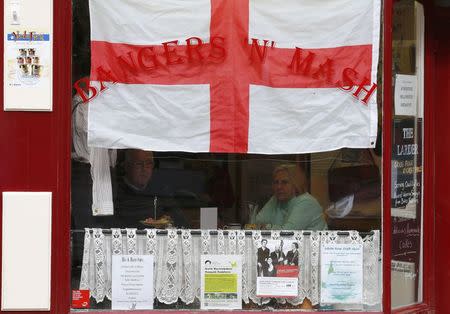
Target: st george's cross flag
pixel 256 76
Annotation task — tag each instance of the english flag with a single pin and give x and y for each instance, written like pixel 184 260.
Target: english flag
pixel 256 76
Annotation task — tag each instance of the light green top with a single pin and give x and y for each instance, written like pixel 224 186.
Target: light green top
pixel 302 212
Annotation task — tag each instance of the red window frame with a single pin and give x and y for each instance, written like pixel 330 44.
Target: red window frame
pixel 36 152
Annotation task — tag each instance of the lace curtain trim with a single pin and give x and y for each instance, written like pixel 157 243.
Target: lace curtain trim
pixel 177 261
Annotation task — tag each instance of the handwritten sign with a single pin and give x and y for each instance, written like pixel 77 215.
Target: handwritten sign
pixel 406 168
pixel 406 199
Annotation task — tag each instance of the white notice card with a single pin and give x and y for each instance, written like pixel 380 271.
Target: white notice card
pixel 221 283
pixel 132 282
pixel 208 218
pixel 341 273
pixel 405 95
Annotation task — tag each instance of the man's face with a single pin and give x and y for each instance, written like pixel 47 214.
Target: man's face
pixel 283 189
pixel 139 167
pixel 263 244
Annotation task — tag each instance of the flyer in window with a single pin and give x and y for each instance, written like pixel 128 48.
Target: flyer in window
pixel 132 282
pixel 28 55
pixel 341 273
pixel 277 267
pixel 221 282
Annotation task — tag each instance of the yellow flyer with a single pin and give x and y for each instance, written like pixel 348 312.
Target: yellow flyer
pixel 221 282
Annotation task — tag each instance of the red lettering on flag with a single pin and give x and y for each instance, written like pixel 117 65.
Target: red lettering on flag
pixel 225 64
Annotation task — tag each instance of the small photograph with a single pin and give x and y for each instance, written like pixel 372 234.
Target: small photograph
pixel 36 70
pixel 274 253
pixel 29 67
pixel 24 69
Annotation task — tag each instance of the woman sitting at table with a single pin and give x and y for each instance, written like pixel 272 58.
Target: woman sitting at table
pixel 291 207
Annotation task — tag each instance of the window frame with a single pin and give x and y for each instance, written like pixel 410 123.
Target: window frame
pixel 60 284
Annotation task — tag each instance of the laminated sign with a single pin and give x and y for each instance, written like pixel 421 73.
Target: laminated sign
pixel 233 75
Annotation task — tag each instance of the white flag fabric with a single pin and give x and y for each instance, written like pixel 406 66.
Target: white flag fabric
pixel 254 76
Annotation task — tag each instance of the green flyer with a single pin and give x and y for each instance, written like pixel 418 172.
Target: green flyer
pixel 221 282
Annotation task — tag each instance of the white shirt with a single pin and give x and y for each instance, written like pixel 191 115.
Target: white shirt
pixel 99 158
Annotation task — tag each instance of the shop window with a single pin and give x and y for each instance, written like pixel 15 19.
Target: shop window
pixel 407 153
pixel 276 211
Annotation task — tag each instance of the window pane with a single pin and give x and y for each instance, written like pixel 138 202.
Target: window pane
pixel 407 152
pixel 115 192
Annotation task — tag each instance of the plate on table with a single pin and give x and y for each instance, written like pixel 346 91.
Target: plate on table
pixel 160 223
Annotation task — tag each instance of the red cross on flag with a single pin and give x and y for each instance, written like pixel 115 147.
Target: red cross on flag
pixel 257 76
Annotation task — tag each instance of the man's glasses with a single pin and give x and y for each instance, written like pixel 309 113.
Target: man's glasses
pixel 142 164
pixel 280 182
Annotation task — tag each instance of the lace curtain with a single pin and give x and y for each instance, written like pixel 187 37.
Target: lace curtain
pixel 177 260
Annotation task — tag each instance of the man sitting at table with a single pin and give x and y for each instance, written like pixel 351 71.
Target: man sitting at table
pixel 133 204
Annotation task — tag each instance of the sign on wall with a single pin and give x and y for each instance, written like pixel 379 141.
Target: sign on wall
pixel 405 95
pixel 28 42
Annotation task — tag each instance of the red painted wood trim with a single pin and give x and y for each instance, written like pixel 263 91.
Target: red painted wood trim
pixel 430 110
pixel 413 309
pixel 441 96
pixel 35 150
pixel 429 291
pixel 62 93
pixel 217 312
pixel 387 140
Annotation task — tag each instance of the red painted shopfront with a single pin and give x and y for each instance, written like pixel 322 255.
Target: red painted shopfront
pixel 36 156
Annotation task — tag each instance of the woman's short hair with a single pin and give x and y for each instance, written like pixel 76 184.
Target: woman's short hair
pixel 296 176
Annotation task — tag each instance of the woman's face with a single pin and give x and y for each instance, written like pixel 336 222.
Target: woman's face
pixel 283 189
pixel 269 261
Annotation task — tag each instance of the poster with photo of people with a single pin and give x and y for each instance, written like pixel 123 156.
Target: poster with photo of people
pixel 27 63
pixel 277 267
